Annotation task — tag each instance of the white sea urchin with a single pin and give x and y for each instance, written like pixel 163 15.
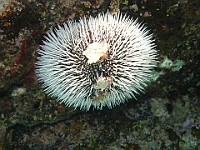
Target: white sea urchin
pixel 101 61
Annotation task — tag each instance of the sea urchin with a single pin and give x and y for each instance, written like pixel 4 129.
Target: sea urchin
pixel 100 61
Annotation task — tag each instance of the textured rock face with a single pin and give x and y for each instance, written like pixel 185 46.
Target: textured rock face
pixel 3 4
pixel 167 116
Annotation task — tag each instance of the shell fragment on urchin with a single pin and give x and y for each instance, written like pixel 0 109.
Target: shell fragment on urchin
pixel 99 61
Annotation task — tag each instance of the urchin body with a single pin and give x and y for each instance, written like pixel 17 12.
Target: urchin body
pixel 101 61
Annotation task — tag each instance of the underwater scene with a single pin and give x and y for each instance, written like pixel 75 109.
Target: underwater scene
pixel 99 74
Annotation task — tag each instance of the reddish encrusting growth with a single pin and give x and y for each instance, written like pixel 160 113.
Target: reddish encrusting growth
pixel 24 59
pixel 22 54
